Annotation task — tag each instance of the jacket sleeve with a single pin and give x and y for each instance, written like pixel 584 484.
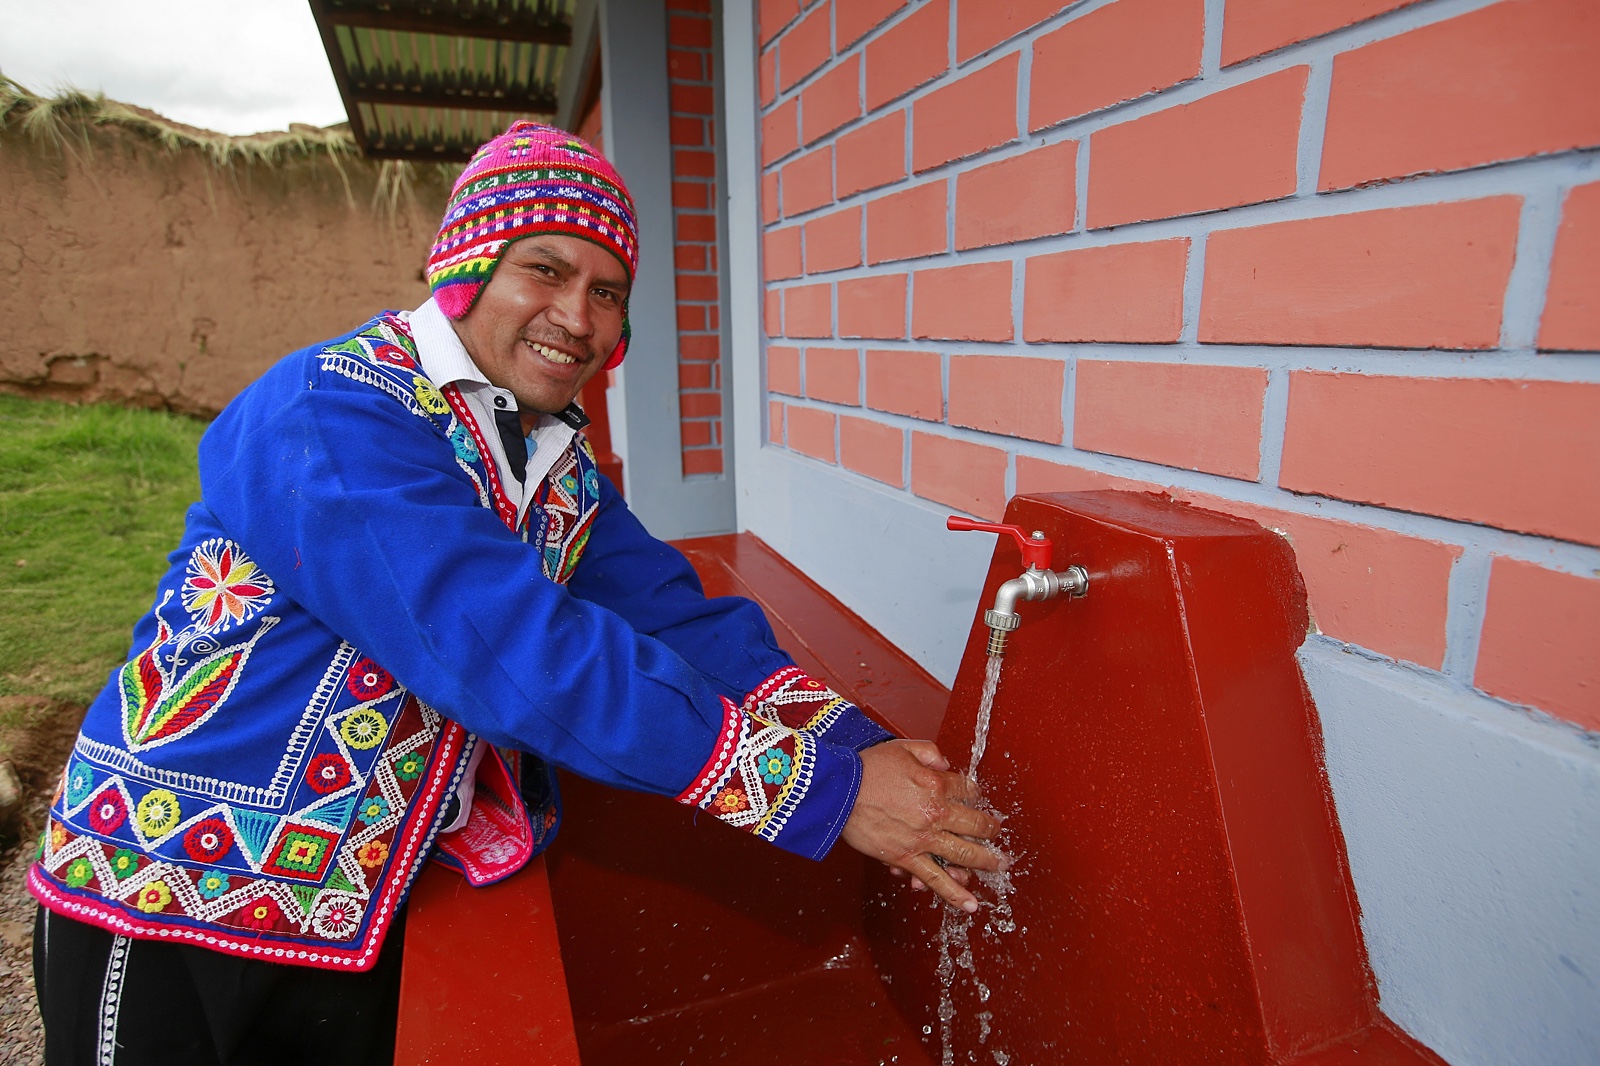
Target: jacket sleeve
pixel 728 638
pixel 651 585
pixel 354 504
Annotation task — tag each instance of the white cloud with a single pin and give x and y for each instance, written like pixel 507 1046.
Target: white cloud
pixel 238 66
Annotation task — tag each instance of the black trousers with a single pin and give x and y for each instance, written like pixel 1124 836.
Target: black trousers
pixel 110 1000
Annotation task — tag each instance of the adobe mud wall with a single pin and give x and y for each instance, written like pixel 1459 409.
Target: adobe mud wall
pixel 146 276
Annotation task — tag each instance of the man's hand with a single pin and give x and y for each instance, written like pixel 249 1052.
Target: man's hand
pixel 911 808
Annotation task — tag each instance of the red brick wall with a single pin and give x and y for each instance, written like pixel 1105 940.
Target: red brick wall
pixel 691 75
pixel 1333 265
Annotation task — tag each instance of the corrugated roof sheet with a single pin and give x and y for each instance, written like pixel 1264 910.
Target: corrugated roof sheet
pixel 433 79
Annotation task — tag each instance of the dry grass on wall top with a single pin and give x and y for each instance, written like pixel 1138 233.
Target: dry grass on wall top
pixel 154 264
pixel 56 118
pixel 59 119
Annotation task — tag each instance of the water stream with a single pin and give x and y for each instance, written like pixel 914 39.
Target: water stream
pixel 955 929
pixel 980 733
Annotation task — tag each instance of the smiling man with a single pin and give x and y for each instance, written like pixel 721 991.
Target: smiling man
pixel 548 321
pixel 406 596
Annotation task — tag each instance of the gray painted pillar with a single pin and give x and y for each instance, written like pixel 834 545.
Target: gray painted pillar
pixel 634 107
pixel 739 148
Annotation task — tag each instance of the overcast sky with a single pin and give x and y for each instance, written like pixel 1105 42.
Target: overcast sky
pixel 238 66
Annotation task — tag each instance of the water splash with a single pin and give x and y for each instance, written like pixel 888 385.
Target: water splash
pixel 955 927
pixel 955 950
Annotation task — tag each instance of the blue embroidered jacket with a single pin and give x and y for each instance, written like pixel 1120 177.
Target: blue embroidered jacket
pixel 352 612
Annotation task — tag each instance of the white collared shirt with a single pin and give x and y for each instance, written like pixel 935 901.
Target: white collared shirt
pixel 445 361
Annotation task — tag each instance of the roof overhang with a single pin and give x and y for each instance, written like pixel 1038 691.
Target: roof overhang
pixel 430 80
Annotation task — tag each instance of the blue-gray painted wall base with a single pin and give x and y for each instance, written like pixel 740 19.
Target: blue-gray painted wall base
pixel 887 557
pixel 1471 829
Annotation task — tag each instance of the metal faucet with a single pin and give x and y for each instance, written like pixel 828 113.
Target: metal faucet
pixel 1037 582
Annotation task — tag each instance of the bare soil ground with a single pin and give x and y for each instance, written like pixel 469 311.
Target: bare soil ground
pixel 39 736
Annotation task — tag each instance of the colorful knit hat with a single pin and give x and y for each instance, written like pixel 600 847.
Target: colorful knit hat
pixel 530 179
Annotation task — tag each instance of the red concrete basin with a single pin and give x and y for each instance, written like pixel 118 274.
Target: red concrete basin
pixel 1182 894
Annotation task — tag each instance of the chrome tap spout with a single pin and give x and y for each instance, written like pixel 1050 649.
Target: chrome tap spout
pixel 1033 584
pixel 1037 582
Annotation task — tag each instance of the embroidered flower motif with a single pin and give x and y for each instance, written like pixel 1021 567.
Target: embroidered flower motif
pixel 212 883
pixel 372 853
pixel 336 917
pixel 80 780
pixel 124 863
pixel 364 729
pixel 153 898
pixel 729 801
pixel 774 766
pixel 58 837
pixel 393 355
pixel 223 586
pixel 327 773
pixel 409 766
pixel 461 440
pixel 431 399
pixel 79 872
pixel 374 809
pixel 108 812
pixel 591 482
pixel 208 840
pixel 157 813
pixel 261 913
pixel 367 680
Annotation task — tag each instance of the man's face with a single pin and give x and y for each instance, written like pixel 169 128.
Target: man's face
pixel 547 320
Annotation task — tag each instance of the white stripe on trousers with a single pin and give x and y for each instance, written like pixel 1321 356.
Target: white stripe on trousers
pixel 111 1000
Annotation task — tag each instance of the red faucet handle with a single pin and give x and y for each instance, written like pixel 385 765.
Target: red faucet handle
pixel 1036 550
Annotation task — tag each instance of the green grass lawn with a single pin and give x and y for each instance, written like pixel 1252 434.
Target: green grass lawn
pixel 91 501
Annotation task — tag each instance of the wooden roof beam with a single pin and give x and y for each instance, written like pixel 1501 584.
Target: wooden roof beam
pixel 421 154
pixel 444 25
pixel 538 104
pixel 341 73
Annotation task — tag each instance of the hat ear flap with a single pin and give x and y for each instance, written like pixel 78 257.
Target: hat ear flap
pixel 615 359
